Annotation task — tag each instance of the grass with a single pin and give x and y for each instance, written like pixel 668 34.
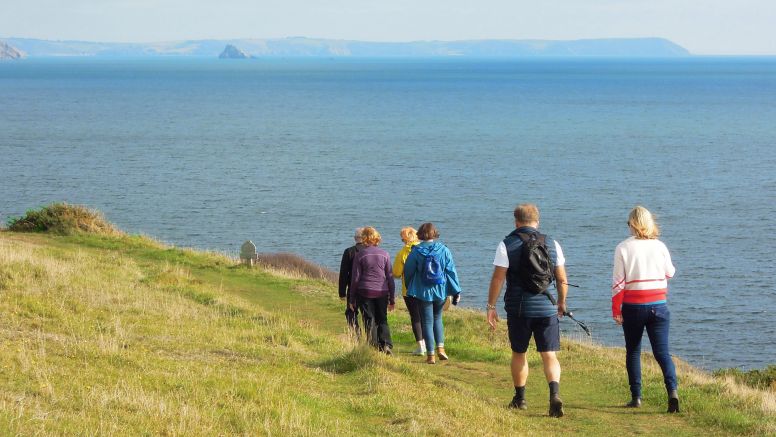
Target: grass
pixel 758 378
pixel 289 264
pixel 120 335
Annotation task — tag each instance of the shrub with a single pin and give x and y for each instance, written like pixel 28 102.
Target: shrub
pixel 63 219
pixel 295 264
pixel 757 378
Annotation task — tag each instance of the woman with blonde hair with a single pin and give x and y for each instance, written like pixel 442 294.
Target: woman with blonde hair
pixel 410 238
pixel 373 290
pixel 642 267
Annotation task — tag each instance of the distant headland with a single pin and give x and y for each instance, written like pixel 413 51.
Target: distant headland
pixel 9 52
pixel 315 47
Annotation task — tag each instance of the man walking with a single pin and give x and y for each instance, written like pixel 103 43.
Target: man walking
pixel 529 311
pixel 346 266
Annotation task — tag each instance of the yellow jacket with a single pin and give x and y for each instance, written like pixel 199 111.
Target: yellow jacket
pixel 398 264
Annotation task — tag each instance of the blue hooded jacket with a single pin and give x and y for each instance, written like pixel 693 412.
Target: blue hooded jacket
pixel 413 271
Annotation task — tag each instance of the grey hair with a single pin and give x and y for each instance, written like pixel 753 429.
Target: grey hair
pixel 358 235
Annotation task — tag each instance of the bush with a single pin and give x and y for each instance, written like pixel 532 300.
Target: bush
pixel 291 263
pixel 757 378
pixel 63 219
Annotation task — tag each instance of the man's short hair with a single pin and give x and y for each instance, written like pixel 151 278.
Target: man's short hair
pixel 526 213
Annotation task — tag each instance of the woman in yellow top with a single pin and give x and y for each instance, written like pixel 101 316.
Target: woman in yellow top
pixel 410 238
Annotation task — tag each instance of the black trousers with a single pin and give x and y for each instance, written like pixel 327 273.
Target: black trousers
pixel 352 316
pixel 375 314
pixel 413 306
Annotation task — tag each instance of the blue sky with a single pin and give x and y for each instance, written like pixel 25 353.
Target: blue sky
pixel 702 26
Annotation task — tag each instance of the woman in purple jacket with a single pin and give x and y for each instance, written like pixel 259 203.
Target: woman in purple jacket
pixel 372 280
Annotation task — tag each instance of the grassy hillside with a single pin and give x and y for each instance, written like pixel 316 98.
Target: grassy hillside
pixel 119 335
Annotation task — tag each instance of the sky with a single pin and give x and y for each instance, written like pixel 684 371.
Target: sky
pixel 734 27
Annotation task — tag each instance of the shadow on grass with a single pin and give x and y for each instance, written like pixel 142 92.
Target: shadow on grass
pixel 620 409
pixel 358 358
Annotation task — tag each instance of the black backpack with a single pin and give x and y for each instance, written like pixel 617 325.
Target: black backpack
pixel 536 270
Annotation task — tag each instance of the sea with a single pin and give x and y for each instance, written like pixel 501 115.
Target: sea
pixel 294 154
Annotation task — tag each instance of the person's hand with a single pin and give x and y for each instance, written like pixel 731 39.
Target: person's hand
pixel 492 319
pixel 456 299
pixel 352 307
pixel 562 309
pixel 618 319
pixel 391 307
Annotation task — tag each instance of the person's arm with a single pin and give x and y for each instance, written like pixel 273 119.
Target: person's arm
pixel 496 282
pixel 452 285
pixel 391 284
pixel 344 274
pixel 669 267
pixel 409 269
pixel 355 275
pixel 618 286
pixel 561 284
pixel 398 264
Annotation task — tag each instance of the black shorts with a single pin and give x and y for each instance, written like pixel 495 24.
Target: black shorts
pixel 546 332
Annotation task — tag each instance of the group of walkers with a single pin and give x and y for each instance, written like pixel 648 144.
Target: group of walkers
pixel 428 276
pixel 528 262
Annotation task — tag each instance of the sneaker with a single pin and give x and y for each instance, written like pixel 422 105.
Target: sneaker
pixel 673 405
pixel 387 350
pixel 442 355
pixel 556 407
pixel 518 403
pixel 419 351
pixel 430 359
pixel 634 403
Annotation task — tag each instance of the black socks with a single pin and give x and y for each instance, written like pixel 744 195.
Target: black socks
pixel 520 392
pixel 554 388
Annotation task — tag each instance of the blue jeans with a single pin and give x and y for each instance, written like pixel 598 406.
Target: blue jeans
pixel 431 319
pixel 656 318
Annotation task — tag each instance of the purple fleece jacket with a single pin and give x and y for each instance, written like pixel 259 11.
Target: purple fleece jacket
pixel 372 274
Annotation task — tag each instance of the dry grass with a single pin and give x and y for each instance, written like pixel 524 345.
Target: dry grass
pixel 63 219
pixel 294 266
pixel 113 339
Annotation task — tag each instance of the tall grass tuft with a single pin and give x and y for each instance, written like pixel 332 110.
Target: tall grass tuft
pixel 294 265
pixel 63 219
pixel 764 379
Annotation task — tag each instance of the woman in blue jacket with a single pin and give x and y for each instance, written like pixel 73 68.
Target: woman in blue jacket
pixel 430 277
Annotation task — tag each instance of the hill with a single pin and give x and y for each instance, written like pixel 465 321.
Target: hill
pixel 119 335
pixel 305 47
pixel 9 52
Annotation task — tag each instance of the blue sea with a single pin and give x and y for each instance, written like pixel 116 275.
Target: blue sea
pixel 294 154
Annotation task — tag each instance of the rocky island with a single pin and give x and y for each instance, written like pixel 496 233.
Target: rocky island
pixel 232 52
pixel 9 52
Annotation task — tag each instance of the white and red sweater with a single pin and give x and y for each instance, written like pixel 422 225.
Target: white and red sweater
pixel 641 272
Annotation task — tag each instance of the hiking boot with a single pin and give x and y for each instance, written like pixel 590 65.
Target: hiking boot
pixel 518 403
pixel 442 355
pixel 430 359
pixel 556 407
pixel 634 403
pixel 673 405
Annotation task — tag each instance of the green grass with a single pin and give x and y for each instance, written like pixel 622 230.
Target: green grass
pixel 757 378
pixel 119 335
